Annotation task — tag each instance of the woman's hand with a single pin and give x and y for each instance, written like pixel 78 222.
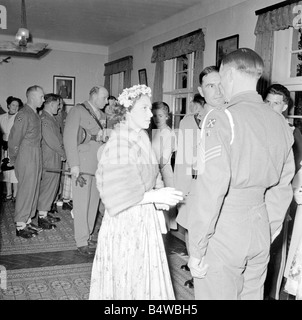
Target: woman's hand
pixel 168 196
pixel 161 206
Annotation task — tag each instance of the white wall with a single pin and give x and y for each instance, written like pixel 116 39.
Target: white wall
pixel 64 59
pixel 217 18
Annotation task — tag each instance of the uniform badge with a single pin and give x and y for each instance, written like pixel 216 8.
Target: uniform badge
pixel 211 123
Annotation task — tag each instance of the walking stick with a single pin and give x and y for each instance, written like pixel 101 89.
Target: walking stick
pixel 80 179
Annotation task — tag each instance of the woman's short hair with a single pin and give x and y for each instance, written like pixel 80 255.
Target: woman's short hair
pixel 10 99
pixel 160 105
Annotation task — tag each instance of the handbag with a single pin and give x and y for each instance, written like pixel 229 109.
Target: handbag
pixel 5 162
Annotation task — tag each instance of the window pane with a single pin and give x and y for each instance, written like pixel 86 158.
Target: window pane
pixel 296 43
pixel 298 109
pixel 296 58
pixel 182 63
pixel 296 65
pixel 179 111
pixel 180 105
pixel 181 80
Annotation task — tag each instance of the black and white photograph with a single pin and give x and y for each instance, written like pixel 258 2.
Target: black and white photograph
pixel 65 87
pixel 150 153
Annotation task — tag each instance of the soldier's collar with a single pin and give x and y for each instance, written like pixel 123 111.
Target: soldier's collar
pixel 246 96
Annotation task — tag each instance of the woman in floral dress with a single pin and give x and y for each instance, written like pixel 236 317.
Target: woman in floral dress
pixel 130 261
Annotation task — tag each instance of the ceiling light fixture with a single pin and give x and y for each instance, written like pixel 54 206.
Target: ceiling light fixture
pixel 21 46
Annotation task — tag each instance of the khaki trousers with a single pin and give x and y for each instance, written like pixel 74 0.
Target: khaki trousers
pixel 238 252
pixel 85 206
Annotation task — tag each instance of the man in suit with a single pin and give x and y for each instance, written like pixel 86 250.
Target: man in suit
pixel 24 145
pixel 240 197
pixel 83 158
pixel 52 155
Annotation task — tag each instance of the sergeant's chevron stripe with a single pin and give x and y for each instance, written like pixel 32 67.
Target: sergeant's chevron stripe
pixel 211 153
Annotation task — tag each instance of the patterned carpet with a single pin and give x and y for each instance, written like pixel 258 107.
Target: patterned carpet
pixel 58 239
pixel 69 282
pixel 72 282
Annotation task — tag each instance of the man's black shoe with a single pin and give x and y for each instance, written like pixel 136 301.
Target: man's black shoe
pixel 190 283
pixel 54 208
pixel 185 267
pixel 52 218
pixel 25 233
pixel 86 251
pixel 67 205
pixel 34 228
pixel 92 243
pixel 46 223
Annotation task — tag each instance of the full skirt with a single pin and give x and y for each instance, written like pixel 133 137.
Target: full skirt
pixel 130 261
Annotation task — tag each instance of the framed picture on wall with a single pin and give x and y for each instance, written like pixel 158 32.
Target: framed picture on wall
pixel 142 76
pixel 225 46
pixel 65 87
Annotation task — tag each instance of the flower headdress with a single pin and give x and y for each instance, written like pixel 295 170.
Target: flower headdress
pixel 126 98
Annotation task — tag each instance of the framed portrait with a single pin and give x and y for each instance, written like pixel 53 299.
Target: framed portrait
pixel 142 76
pixel 225 46
pixel 65 87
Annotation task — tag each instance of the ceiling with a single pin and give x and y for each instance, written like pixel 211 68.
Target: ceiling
pixel 97 22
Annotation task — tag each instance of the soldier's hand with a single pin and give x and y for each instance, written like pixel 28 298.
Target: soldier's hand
pixel 75 171
pixel 197 267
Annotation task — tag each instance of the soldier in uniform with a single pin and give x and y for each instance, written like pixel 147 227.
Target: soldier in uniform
pixel 189 140
pixel 52 155
pixel 83 158
pixel 243 188
pixel 24 146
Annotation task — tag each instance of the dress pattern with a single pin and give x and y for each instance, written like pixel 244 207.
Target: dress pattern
pixel 130 261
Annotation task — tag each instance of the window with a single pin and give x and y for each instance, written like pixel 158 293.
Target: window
pixel 178 86
pixel 117 83
pixel 287 69
pixel 296 54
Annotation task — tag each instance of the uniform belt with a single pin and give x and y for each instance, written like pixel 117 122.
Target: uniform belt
pixel 247 197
